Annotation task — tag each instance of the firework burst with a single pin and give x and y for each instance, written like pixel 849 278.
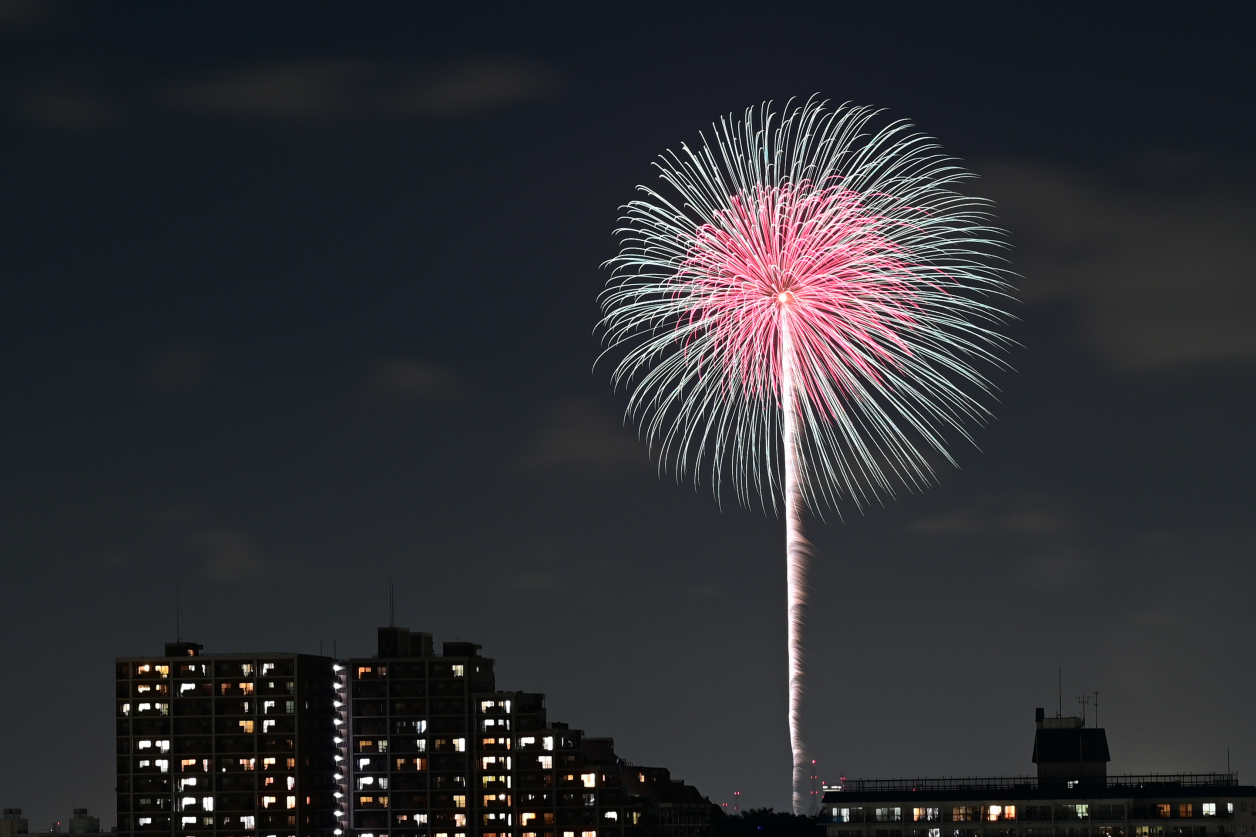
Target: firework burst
pixel 803 313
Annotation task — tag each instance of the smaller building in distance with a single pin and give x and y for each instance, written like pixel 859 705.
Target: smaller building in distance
pixel 1072 795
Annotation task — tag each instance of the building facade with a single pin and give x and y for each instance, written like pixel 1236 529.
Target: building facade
pixel 227 745
pixel 1072 796
pixel 439 751
pixel 407 743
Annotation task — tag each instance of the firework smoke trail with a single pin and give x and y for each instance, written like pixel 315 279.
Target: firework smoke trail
pixel 805 316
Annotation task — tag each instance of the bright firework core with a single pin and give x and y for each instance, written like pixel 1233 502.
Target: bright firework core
pixel 805 313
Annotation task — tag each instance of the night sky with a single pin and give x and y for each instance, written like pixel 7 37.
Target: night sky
pixel 300 296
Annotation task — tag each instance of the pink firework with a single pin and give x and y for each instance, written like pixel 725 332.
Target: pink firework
pixel 806 315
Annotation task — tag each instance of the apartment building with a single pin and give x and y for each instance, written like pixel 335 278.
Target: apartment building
pixel 227 745
pixel 1072 795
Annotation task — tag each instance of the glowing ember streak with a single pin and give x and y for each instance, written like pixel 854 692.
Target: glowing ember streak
pixel 805 314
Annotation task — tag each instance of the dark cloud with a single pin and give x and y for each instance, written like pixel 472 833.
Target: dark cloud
pixel 229 556
pixel 30 14
pixel 303 92
pixel 1027 514
pixel 344 88
pixel 177 369
pixel 410 377
pixel 1161 262
pixel 578 434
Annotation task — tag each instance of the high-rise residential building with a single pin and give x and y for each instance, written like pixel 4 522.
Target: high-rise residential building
pixel 1072 795
pixel 438 751
pixel 408 743
pixel 228 745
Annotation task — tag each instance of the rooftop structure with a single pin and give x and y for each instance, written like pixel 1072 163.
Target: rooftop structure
pixel 1071 796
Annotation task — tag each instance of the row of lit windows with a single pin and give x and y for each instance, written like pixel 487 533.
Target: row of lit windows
pixel 457 745
pixel 440 670
pixel 591 833
pixel 206 765
pixel 162 670
pixel 1005 813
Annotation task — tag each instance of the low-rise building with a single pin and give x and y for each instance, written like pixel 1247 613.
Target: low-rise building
pixel 1072 795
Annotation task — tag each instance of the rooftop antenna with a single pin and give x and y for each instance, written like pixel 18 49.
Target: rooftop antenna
pixel 392 622
pixel 1096 709
pixel 178 630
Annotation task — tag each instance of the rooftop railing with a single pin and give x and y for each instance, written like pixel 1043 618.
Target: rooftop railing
pixel 1019 783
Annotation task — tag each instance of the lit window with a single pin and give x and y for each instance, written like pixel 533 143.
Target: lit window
pixel 144 745
pixel 588 834
pixel 363 763
pixel 923 814
pixel 248 764
pixel 612 815
pixel 163 765
pixel 964 813
pixel 246 669
pixel 126 709
pixel 1186 810
pixel 187 802
pixel 365 781
pixel 268 801
pixel 1229 807
pixel 460 800
pixel 524 819
pixel 267 705
pixel 247 823
pixel 1209 809
pixel 547 743
pixel 207 803
pixel 1163 809
pixel 460 821
pixel 267 726
pixel 460 745
pixel 527 742
pixel 292 782
pixel 459 671
pixel 186 687
pixel 291 802
pixel 246 727
pixel 163 671
pixel 842 815
pixel 292 764
pixel 267 668
pixel 589 780
pixel 184 784
pixel 267 764
pixel 547 762
pixel 146 820
pixel 189 820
